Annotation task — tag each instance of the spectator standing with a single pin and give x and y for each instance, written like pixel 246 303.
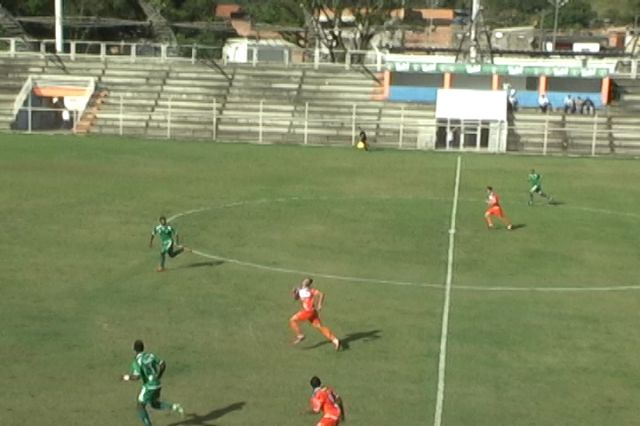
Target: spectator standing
pixel 66 119
pixel 543 102
pixel 569 105
pixel 512 99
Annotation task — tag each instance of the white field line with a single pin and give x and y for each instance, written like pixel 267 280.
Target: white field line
pixel 437 421
pixel 314 274
pixel 564 289
pixel 415 284
pixel 549 289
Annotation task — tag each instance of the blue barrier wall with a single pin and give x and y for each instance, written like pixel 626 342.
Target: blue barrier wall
pixel 557 98
pixel 413 94
pixel 529 99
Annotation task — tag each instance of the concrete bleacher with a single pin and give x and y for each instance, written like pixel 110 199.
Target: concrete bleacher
pixel 13 75
pixel 259 97
pixel 133 89
pixel 294 105
pixel 189 96
pixel 565 132
pixel 328 98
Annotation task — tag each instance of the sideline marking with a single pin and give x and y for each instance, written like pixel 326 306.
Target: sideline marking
pixel 314 274
pixel 394 282
pixel 447 301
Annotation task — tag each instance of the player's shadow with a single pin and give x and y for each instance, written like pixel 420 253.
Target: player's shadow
pixel 556 203
pixel 194 419
pixel 518 226
pixel 209 263
pixel 346 341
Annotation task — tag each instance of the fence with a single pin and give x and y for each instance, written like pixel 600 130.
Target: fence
pixel 397 128
pixel 136 52
pixel 628 67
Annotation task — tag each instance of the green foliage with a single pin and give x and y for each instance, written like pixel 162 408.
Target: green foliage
pixel 189 10
pixel 576 14
pixel 629 12
pixel 280 12
pixel 110 8
pixel 29 7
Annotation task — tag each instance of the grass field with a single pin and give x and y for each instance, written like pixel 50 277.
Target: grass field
pixel 542 319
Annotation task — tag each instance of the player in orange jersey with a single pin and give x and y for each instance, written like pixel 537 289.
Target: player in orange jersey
pixel 312 300
pixel 495 209
pixel 324 399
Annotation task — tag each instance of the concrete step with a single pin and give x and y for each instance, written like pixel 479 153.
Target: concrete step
pixel 195 90
pixel 199 98
pixel 184 133
pixel 123 81
pixel 134 73
pixel 251 127
pixel 188 105
pixel 204 75
pixel 186 82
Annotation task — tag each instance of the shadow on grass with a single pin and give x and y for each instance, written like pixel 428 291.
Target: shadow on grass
pixel 194 419
pixel 201 264
pixel 517 226
pixel 556 203
pixel 350 338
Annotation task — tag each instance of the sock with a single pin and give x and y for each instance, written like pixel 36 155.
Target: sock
pixel 144 416
pixel 162 260
pixel 161 405
pixel 327 333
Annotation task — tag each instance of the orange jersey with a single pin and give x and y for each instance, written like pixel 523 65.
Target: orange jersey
pixel 325 400
pixel 307 298
pixel 493 200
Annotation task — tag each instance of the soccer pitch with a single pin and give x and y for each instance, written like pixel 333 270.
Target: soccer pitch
pixel 540 322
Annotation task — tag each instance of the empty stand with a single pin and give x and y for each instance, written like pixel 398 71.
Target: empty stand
pixel 277 104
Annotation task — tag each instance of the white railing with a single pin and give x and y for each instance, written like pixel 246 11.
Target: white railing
pixel 135 52
pixel 591 135
pixel 22 96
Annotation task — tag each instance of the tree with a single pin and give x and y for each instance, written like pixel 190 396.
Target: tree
pixel 576 14
pixel 336 25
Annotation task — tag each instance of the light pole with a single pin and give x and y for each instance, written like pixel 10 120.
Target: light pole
pixel 58 25
pixel 557 4
pixel 473 32
pixel 432 5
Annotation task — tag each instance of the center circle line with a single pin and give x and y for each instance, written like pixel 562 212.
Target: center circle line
pixel 392 282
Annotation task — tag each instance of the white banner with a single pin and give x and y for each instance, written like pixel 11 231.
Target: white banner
pixel 467 104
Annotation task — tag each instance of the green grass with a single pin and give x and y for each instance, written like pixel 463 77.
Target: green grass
pixel 78 284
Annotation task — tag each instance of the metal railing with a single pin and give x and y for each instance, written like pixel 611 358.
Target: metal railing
pixel 592 135
pixel 135 52
pixel 290 55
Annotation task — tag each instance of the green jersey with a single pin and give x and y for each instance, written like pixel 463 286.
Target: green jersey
pixel 147 366
pixel 535 180
pixel 166 233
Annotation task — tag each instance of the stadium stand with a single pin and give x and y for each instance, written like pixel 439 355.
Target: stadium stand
pixel 141 98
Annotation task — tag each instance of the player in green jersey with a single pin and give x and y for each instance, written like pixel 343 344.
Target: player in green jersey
pixel 169 241
pixel 149 368
pixel 535 187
